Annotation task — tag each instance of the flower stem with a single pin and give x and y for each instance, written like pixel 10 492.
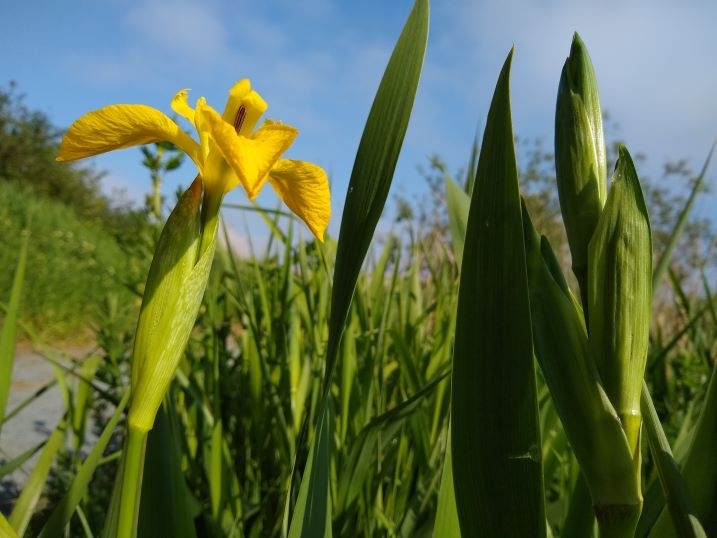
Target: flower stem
pixel 618 520
pixel 133 469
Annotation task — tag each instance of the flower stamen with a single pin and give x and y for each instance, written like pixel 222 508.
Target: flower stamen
pixel 239 118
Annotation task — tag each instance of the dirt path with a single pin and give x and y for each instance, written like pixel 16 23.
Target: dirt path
pixel 32 373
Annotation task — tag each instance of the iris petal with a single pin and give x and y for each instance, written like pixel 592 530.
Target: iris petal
pixel 304 188
pixel 181 106
pixel 251 158
pixel 122 126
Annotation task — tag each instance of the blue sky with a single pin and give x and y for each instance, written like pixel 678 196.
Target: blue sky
pixel 318 63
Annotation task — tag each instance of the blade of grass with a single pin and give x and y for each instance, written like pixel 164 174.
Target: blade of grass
pixel 16 463
pixel 379 431
pixel 664 261
pixel 312 513
pixel 457 204
pixel 681 510
pixel 497 470
pixel 6 530
pixel 699 469
pixel 446 524
pixel 27 502
pixel 9 330
pixel 62 513
pixel 164 504
pixel 370 181
pixel 374 167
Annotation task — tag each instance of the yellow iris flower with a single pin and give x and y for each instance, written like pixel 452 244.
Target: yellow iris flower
pixel 229 152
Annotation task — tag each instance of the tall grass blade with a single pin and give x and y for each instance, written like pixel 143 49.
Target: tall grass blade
pixel 446 524
pixel 9 330
pixel 497 470
pixel 17 462
pixel 370 441
pixel 312 513
pixel 6 530
pixel 370 181
pixel 699 469
pixel 457 204
pixel 62 513
pixel 681 510
pixel 374 167
pixel 664 261
pixel 164 504
pixel 27 502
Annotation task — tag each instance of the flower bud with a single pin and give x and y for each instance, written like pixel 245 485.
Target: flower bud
pixel 175 287
pixel 580 164
pixel 620 295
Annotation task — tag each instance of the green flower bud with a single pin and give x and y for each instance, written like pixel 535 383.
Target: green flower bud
pixel 175 287
pixel 620 295
pixel 580 163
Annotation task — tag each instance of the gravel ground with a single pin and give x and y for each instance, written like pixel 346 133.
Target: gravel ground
pixel 31 373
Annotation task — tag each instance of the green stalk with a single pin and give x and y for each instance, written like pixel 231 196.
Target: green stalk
pixel 132 471
pixel 210 220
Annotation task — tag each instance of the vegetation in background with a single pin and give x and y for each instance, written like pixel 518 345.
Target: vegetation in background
pixel 314 395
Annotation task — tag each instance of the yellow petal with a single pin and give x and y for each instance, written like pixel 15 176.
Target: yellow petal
pixel 181 106
pixel 122 126
pixel 244 107
pixel 251 158
pixel 304 187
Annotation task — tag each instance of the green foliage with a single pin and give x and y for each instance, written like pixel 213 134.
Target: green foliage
pixel 494 409
pixel 73 264
pixel 345 384
pixel 28 146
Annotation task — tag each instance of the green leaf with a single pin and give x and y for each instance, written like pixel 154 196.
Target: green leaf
pixel 680 507
pixel 165 509
pixel 457 203
pixel 6 531
pixel 370 441
pixel 374 167
pixel 9 330
pixel 312 513
pixel 62 513
pixel 497 470
pixel 446 524
pixel 700 469
pixel 26 504
pixel 370 181
pixel 664 261
pixel 15 463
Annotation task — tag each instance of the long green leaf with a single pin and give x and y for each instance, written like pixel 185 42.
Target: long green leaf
pixel 374 167
pixel 6 530
pixel 78 489
pixel 446 524
pixel 681 511
pixel 457 204
pixel 26 504
pixel 312 513
pixel 700 469
pixel 371 439
pixel 9 330
pixel 15 463
pixel 164 504
pixel 370 181
pixel 664 261
pixel 497 470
